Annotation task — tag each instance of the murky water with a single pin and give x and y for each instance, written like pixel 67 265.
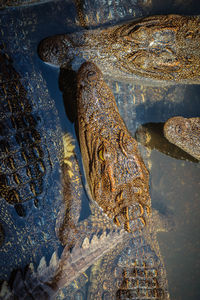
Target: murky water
pixel 175 184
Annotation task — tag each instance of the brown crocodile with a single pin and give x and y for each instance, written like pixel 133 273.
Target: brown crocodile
pixel 184 133
pixel 117 177
pixel 119 182
pixel 162 49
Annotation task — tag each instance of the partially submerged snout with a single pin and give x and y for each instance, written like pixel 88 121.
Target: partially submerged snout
pixel 56 50
pixel 88 75
pixel 184 133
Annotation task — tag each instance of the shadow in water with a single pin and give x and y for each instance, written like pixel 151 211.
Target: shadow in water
pixel 68 86
pixel 151 136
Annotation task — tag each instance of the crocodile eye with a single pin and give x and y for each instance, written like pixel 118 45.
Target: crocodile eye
pixel 101 154
pixel 92 75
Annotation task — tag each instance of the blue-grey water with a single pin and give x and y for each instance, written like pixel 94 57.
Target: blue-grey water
pixel 175 184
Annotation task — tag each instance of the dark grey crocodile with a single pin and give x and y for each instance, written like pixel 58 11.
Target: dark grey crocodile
pixel 22 154
pixel 27 167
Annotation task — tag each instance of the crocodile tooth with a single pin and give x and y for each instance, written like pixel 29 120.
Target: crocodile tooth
pixel 94 240
pixel 42 265
pixel 85 243
pixel 103 236
pixel 5 292
pixel 54 260
pixel 31 267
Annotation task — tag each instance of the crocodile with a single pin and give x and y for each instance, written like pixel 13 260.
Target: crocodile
pixel 135 271
pixel 117 177
pixel 151 135
pixel 119 182
pixel 184 133
pixel 162 49
pixel 28 165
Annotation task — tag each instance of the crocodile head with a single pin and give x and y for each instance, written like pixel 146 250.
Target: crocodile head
pixel 184 133
pixel 117 177
pixel 162 48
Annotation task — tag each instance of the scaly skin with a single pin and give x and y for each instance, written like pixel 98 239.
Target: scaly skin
pixel 45 282
pixel 161 49
pixel 116 175
pixel 19 138
pixel 184 133
pixel 118 182
pixel 134 270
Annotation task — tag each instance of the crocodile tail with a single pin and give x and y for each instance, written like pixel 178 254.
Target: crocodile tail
pixel 46 281
pixel 83 255
pixel 30 282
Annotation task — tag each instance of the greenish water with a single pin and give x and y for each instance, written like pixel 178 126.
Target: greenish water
pixel 175 184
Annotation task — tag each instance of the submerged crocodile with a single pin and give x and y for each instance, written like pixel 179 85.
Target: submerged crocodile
pixel 28 165
pixel 22 155
pixel 162 49
pixel 184 133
